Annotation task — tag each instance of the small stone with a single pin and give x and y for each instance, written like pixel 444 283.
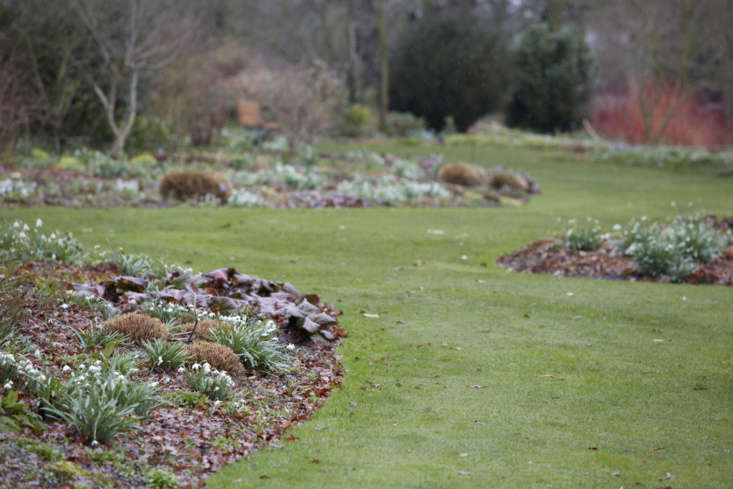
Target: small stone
pixel 307 307
pixel 290 289
pixel 327 334
pixel 310 326
pixel 323 319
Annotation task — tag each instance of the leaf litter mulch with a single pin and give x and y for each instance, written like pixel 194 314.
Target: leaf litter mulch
pixel 550 257
pixel 190 437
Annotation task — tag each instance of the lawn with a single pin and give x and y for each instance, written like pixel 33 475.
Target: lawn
pixel 473 376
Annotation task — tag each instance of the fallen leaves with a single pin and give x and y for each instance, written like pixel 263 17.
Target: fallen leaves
pixel 190 441
pixel 547 256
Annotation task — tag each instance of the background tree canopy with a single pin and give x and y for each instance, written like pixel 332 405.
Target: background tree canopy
pixel 449 65
pixel 552 80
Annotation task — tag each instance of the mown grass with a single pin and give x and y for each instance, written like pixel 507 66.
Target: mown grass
pixel 474 376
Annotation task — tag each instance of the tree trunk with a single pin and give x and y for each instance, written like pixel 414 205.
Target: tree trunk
pixel 121 132
pixel 383 67
pixel 353 68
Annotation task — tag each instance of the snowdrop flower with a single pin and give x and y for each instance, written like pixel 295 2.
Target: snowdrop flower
pixel 26 228
pixel 37 354
pixel 291 346
pixel 464 257
pixel 22 235
pixel 181 370
pixel 8 385
pixel 64 306
pixel 16 225
pixel 195 366
pixel 66 369
pixel 39 223
pixel 160 360
pixel 617 227
pixel 95 443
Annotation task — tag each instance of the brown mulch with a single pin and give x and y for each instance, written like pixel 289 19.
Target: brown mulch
pixel 548 256
pixel 191 442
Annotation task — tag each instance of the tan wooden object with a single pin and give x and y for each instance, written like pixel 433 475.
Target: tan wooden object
pixel 249 114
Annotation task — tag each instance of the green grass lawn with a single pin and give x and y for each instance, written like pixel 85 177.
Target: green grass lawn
pixel 475 376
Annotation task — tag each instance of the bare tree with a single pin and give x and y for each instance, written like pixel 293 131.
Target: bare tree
pixel 302 101
pixel 17 109
pixel 134 37
pixel 653 43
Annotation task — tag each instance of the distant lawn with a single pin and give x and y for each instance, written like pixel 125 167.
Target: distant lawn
pixel 475 376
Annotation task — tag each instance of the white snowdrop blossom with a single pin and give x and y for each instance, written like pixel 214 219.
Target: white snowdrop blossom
pixel 291 347
pixel 39 223
pixel 66 369
pixel 21 368
pixel 8 385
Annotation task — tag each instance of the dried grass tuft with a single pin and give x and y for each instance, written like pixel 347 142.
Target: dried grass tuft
pixel 205 327
pixel 458 174
pixel 138 327
pixel 218 356
pixel 512 180
pixel 195 185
